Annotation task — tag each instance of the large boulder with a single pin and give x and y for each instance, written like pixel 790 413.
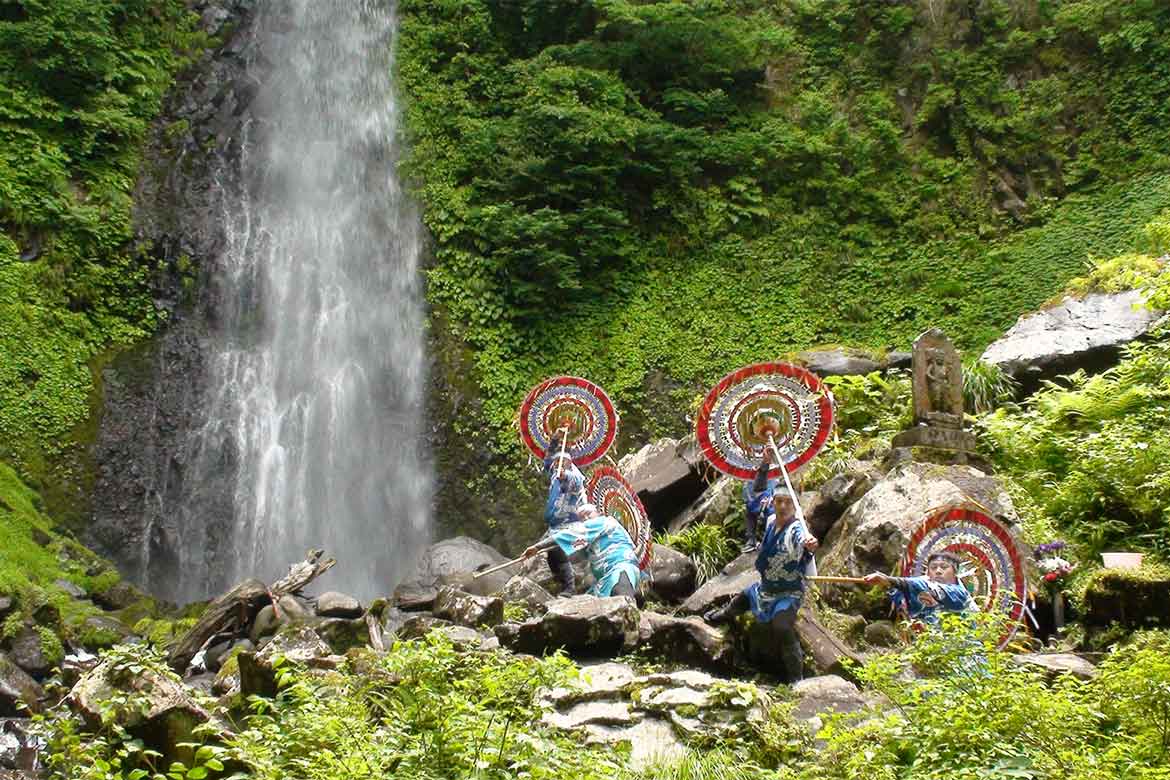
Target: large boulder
pixel 153 706
pixel 1077 333
pixel 823 507
pixel 582 625
pixel 468 610
pixel 27 650
pixel 839 362
pixel 819 696
pixel 338 605
pixel 19 693
pixel 667 476
pixel 714 505
pixel 717 591
pixel 684 640
pixel 460 554
pixel 1057 664
pixel 672 574
pixel 873 532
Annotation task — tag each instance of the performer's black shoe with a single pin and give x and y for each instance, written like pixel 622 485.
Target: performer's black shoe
pixel 716 616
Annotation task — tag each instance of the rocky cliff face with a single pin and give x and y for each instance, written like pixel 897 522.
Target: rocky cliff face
pixel 151 396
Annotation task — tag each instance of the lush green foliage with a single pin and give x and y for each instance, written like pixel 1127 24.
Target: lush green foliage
pixel 710 546
pixel 1090 452
pixel 983 717
pixel 80 80
pixel 619 187
pixel 33 558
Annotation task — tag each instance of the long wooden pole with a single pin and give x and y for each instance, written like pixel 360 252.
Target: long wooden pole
pixel 497 567
pixel 844 580
pixel 561 457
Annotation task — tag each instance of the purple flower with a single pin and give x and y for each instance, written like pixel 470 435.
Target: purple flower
pixel 1049 548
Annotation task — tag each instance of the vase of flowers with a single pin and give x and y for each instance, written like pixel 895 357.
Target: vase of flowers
pixel 1054 569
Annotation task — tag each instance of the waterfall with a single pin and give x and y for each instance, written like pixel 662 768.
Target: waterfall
pixel 317 373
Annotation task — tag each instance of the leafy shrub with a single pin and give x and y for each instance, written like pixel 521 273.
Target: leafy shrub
pixel 986 386
pixel 710 546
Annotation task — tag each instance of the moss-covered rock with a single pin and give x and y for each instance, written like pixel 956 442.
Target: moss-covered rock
pixel 1131 598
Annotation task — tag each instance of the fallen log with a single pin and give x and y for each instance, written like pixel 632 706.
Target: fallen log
pixel 235 610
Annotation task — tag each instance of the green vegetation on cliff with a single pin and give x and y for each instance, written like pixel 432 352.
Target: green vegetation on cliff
pixel 617 187
pixel 80 81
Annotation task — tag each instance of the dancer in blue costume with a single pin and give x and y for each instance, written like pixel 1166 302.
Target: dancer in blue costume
pixel 566 494
pixel 924 598
pixel 611 551
pixel 758 496
pixel 783 561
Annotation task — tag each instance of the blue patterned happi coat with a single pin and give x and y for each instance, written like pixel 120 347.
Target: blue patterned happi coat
pixel 782 563
pixel 951 598
pixel 611 552
pixel 565 495
pixel 761 503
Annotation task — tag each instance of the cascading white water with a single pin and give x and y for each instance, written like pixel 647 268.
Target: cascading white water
pixel 316 397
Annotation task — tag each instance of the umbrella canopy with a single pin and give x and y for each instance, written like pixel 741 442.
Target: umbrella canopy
pixel 573 403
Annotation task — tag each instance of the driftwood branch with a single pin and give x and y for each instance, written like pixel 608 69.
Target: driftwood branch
pixel 235 610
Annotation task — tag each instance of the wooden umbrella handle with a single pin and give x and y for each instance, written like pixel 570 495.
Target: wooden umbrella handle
pixel 845 580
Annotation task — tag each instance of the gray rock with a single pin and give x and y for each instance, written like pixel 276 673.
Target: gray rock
pixel 684 640
pixel 717 591
pixel 667 475
pixel 714 505
pixel 672 574
pixel 899 359
pixel 339 605
pixel 605 713
pixel 818 696
pixel 450 556
pixel 520 589
pixel 5 606
pixel 1056 664
pixel 652 740
pixel 19 693
pixel 838 362
pixel 392 621
pixel 1086 333
pixel 161 711
pixel 881 633
pixel 76 591
pixel 872 534
pixel 295 644
pixel 585 625
pixel 463 637
pixel 265 624
pixel 27 651
pixel 468 610
pixel 415 598
pixel 290 609
pixel 20 751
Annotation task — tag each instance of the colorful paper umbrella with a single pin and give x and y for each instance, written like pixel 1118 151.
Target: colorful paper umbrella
pixel 787 402
pixel 573 403
pixel 610 493
pixel 992 565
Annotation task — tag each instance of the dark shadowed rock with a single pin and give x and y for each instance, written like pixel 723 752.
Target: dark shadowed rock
pixel 1117 596
pixel 20 751
pixel 27 651
pixel 838 362
pixel 468 610
pixel 343 634
pixel 685 640
pixel 120 595
pixel 1077 333
pixel 881 633
pixel 5 606
pixel 672 574
pixel 19 693
pixel 584 625
pixel 420 625
pixel 338 605
pixel 415 598
pixel 265 624
pixel 667 476
pixel 823 507
pixel 714 505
